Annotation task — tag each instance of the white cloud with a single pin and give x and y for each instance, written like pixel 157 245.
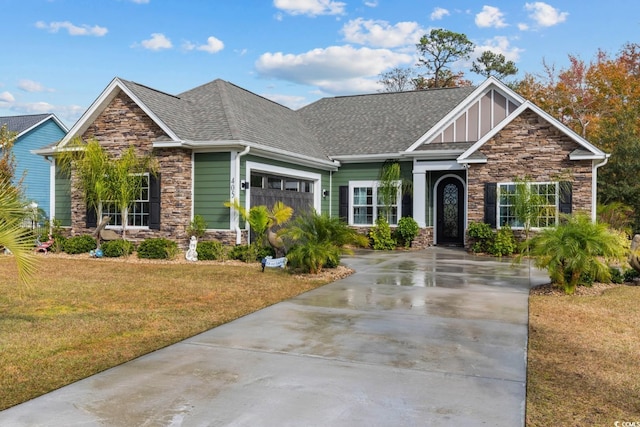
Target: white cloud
pixel 140 1
pixel 335 69
pixel 31 86
pixel 310 7
pixel 157 41
pixel 6 97
pixel 73 30
pixel 490 17
pixel 499 44
pixel 523 27
pixel 439 13
pixel 213 45
pixel 373 3
pixel 381 33
pixel 545 15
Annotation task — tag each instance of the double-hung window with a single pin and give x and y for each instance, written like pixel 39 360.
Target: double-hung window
pixel 367 204
pixel 545 209
pixel 138 212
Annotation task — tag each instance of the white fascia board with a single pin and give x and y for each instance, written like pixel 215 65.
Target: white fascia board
pixel 107 95
pixel 367 158
pixel 269 152
pixel 50 116
pixel 473 97
pixel 588 157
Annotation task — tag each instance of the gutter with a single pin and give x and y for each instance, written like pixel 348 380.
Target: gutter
pixel 594 186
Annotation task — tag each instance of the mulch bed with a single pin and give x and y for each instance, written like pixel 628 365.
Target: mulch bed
pixel 596 289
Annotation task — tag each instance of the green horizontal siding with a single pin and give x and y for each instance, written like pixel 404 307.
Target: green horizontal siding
pixel 63 198
pixel 211 188
pixel 361 172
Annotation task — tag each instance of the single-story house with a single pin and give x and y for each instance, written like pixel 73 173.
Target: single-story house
pixel 33 132
pixel 461 149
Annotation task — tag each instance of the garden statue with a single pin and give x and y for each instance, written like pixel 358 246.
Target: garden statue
pixel 192 254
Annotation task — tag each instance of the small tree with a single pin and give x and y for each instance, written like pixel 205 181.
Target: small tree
pixel 439 49
pixel 8 160
pixel 576 250
pixel 494 64
pixel 397 80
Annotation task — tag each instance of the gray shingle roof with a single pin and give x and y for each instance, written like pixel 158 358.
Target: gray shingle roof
pixel 19 124
pixel 347 125
pixel 379 123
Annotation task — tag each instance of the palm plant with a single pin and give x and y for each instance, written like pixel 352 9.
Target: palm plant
pixel 262 219
pixel 318 241
pixel 126 177
pixel 13 237
pixel 576 249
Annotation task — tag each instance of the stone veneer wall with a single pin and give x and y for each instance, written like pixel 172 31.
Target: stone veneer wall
pixel 121 124
pixel 529 146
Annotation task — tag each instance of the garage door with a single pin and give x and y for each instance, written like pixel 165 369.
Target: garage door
pixel 269 189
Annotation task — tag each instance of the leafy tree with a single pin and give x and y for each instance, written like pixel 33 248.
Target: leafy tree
pixel 102 179
pixel 576 250
pixel 494 64
pixel 7 158
pixel 398 80
pixel 89 162
pixel 126 176
pixel 439 49
pixel 13 237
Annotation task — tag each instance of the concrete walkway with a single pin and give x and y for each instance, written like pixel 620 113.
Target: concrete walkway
pixel 421 338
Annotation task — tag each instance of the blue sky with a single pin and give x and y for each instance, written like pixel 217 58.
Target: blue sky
pixel 58 55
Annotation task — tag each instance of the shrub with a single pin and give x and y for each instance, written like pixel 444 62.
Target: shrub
pixel 616 275
pixel 79 244
pixel 504 242
pixel 210 250
pixel 197 227
pixel 630 275
pixel 157 248
pixel 318 241
pixel 250 253
pixel 381 235
pixel 482 236
pixel 117 248
pixel 575 252
pixel 407 229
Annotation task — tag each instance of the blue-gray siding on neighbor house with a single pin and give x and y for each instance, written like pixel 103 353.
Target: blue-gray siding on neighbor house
pixel 34 168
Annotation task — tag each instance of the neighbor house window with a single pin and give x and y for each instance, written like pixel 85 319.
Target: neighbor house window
pixel 546 209
pixel 138 215
pixel 367 204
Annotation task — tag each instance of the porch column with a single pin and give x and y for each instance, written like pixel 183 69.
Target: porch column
pixel 419 197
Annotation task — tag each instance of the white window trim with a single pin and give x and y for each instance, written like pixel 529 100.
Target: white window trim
pixel 133 227
pixel 557 194
pixel 375 185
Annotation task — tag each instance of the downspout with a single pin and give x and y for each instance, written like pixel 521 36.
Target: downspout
pixel 594 187
pixel 237 178
pixel 52 190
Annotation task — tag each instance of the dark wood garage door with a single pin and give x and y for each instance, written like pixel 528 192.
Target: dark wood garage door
pixel 268 189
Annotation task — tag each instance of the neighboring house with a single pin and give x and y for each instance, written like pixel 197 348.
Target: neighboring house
pixel 460 148
pixel 34 132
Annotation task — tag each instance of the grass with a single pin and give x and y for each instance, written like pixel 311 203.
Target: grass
pixel 583 358
pixel 82 316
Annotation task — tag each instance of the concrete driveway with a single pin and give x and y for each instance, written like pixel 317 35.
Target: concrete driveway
pixel 422 338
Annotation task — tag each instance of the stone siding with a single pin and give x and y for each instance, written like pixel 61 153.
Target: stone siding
pixel 529 146
pixel 120 125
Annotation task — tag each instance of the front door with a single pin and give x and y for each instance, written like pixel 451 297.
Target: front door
pixel 450 212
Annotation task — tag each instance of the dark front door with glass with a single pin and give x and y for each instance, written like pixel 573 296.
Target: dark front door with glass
pixel 450 212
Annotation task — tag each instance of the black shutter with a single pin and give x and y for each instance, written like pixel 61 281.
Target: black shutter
pixel 565 197
pixel 343 202
pixel 154 202
pixel 490 205
pixel 407 205
pixel 92 217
